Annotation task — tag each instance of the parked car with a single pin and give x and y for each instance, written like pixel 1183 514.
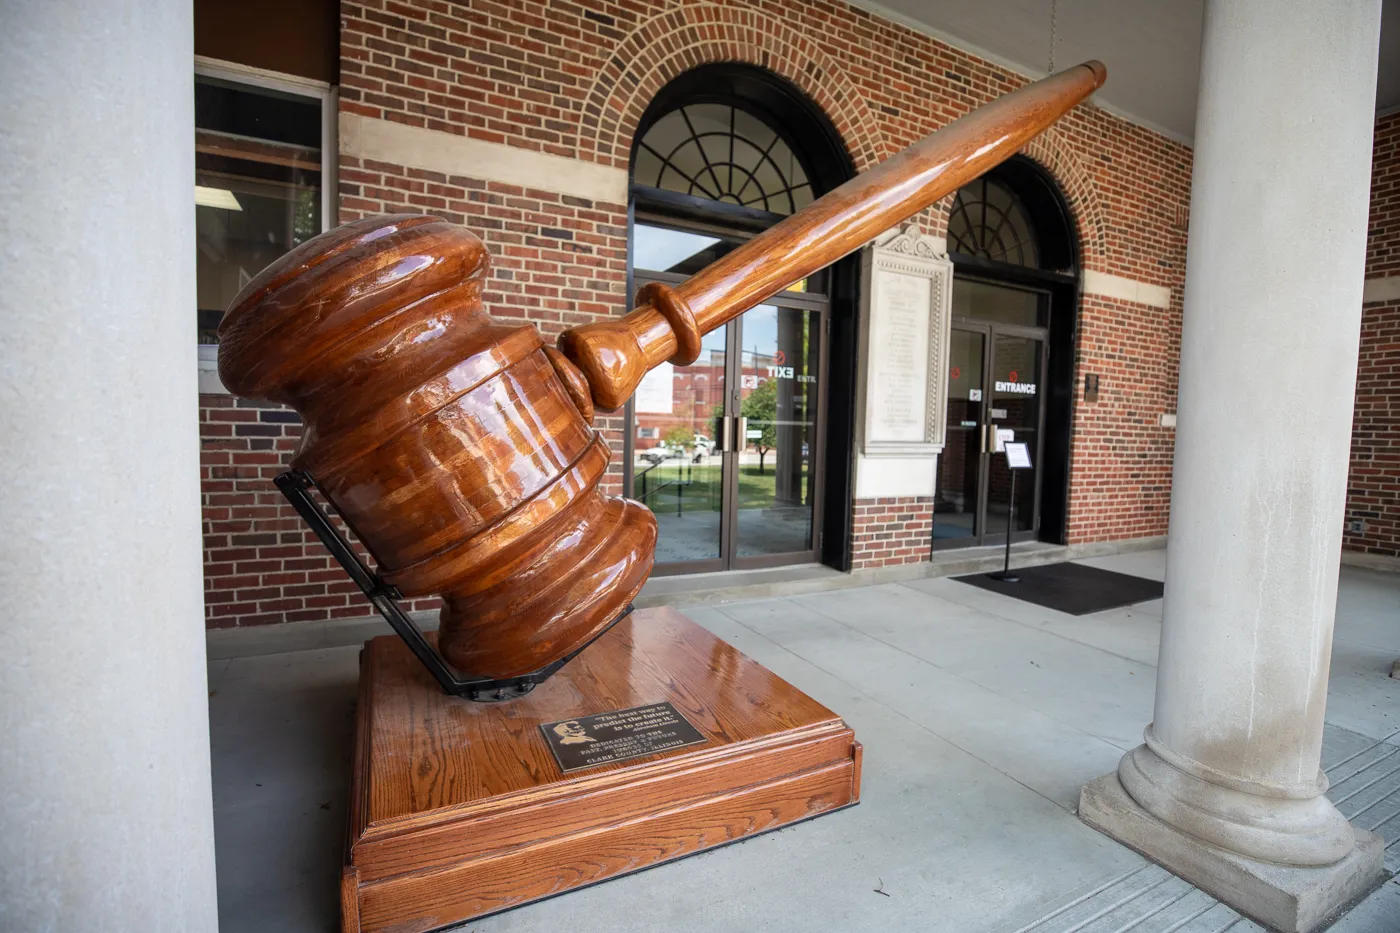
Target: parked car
pixel 662 453
pixel 703 448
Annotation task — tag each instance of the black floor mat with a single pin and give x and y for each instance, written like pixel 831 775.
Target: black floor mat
pixel 1072 588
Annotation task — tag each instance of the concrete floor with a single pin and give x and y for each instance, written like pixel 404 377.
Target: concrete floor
pixel 981 717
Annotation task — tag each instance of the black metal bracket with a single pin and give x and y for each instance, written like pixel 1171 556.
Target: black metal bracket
pixel 296 486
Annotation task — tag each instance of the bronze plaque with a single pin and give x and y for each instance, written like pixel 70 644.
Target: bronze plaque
pixel 602 738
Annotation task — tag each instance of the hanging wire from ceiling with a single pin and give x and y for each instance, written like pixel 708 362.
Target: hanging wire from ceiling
pixel 1054 11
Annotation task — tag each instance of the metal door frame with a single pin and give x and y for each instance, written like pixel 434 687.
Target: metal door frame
pixel 997 536
pixel 820 308
pixel 983 536
pixel 728 558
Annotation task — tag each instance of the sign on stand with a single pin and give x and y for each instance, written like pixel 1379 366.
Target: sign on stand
pixel 1018 457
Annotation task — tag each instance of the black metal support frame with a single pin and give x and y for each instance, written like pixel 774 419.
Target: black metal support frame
pixel 1004 574
pixel 296 486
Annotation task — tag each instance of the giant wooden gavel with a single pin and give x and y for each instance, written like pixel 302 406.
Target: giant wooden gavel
pixel 461 451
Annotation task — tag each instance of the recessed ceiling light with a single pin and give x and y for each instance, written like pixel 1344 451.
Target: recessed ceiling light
pixel 216 197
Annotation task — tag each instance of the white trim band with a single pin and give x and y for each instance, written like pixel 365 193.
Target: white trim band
pixel 878 477
pixel 1106 285
pixel 413 147
pixel 1383 289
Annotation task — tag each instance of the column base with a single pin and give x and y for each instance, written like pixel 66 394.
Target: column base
pixel 1287 898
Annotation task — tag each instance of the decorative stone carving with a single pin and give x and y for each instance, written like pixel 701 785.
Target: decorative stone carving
pixel 911 241
pixel 908 299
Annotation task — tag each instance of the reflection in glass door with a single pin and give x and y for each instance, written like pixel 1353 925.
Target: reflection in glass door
pixel 725 450
pixel 677 470
pixel 957 505
pixel 778 389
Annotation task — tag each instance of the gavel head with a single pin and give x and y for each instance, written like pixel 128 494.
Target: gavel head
pixel 460 451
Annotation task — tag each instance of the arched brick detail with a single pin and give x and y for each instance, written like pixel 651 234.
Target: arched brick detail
pixel 1049 151
pixel 671 43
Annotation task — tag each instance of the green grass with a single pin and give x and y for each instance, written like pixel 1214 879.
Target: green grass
pixel 702 486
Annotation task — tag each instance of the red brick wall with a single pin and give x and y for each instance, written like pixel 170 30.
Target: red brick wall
pixel 1383 232
pixel 1373 488
pixel 890 531
pixel 1121 464
pixel 572 79
pixel 261 564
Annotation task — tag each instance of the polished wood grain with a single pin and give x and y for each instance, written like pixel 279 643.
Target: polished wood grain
pixel 615 355
pixel 460 450
pixel 458 809
pixel 463 451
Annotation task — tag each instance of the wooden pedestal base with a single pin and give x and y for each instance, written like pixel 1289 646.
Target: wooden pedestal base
pixel 459 809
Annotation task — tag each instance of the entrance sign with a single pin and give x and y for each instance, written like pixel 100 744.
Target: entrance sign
pixel 906 334
pixel 1018 456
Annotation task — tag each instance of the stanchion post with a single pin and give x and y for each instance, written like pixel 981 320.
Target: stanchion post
pixel 1004 574
pixel 1019 462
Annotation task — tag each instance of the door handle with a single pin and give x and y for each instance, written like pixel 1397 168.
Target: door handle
pixel 726 427
pixel 741 432
pixel 984 439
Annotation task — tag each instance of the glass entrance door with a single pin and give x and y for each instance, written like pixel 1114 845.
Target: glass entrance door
pixel 995 394
pixel 775 435
pixel 1014 412
pixel 957 508
pixel 677 470
pixel 725 450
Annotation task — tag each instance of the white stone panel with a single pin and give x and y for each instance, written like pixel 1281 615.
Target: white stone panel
pixel 414 147
pixel 1384 289
pixel 905 330
pixel 1122 288
pixel 895 476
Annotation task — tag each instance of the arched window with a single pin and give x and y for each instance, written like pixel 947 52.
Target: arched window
pixel 722 153
pixel 730 452
pixel 989 221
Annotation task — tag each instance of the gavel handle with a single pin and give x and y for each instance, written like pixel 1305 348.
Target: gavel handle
pixel 669 322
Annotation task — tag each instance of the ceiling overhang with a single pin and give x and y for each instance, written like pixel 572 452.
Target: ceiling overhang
pixel 1151 47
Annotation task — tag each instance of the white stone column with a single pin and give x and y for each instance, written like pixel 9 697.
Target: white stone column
pixel 1227 790
pixel 105 805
